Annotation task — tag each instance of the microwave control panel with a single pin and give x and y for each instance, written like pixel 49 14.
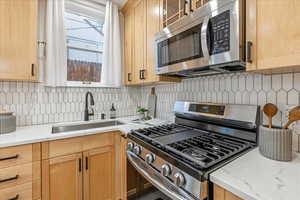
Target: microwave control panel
pixel 220 26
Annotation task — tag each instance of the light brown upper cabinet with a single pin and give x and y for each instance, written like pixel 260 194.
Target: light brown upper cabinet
pixel 173 10
pixel 18 40
pixel 273 36
pixel 142 21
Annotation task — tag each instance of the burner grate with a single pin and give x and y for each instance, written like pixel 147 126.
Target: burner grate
pixel 162 130
pixel 207 149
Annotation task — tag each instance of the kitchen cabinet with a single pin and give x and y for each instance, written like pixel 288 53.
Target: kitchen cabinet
pixel 198 3
pixel 18 40
pixel 173 10
pixel 85 168
pixel 273 40
pixel 64 177
pixel 130 76
pixel 222 194
pixel 20 172
pixel 142 21
pixel 139 27
pixel 99 173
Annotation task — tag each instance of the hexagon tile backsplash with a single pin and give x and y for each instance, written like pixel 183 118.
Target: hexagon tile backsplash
pixel 239 88
pixel 35 104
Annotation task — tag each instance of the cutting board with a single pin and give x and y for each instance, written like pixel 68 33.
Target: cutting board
pixel 152 98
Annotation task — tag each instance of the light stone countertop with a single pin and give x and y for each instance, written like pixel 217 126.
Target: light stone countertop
pixel 251 176
pixel 254 177
pixel 42 133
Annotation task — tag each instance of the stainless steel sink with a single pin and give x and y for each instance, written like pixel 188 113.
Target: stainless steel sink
pixel 78 127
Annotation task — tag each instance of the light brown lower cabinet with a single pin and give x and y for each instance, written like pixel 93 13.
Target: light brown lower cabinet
pixel 62 178
pixel 98 173
pixel 222 194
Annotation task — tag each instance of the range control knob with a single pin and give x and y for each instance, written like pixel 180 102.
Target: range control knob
pixel 130 146
pixel 137 150
pixel 150 158
pixel 179 179
pixel 166 170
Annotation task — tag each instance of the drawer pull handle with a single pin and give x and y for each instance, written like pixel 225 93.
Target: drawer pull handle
pixel 9 179
pixel 86 163
pixel 14 198
pixel 9 158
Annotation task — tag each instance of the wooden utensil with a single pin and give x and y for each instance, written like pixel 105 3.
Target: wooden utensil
pixel 270 110
pixel 294 115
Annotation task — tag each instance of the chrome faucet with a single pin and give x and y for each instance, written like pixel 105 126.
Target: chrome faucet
pixel 87 114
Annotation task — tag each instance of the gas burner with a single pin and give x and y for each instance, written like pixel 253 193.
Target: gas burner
pixel 195 153
pixel 216 148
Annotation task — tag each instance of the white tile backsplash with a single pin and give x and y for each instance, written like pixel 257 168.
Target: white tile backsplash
pixel 239 88
pixel 35 104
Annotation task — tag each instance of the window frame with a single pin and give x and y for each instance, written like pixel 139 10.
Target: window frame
pixel 85 83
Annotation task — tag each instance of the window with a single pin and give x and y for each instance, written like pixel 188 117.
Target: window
pixel 84 48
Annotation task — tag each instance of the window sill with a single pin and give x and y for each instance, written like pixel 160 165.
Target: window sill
pixel 88 85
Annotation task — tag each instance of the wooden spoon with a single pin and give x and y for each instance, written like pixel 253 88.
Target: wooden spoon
pixel 294 115
pixel 270 110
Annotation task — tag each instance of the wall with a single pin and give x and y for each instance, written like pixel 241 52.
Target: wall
pixel 35 104
pixel 240 88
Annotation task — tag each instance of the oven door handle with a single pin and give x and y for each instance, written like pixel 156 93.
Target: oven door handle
pixel 157 180
pixel 204 31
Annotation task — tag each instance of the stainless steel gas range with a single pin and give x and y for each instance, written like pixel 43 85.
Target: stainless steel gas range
pixel 178 158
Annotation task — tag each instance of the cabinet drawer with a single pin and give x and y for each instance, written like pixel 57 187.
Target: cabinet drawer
pixel 17 155
pixel 20 174
pixel 27 191
pixel 74 145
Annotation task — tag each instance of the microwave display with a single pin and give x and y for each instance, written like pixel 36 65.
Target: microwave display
pixel 219 28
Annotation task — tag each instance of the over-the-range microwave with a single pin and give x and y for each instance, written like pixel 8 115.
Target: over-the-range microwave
pixel 209 41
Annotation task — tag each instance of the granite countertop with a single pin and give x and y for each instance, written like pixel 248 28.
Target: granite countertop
pixel 254 177
pixel 42 133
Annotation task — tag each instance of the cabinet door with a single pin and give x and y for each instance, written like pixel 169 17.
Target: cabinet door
pixel 139 10
pixel 18 40
pixel 198 3
pixel 128 47
pixel 222 194
pixel 121 167
pixel 275 37
pixel 62 178
pixel 153 27
pixel 173 10
pixel 99 171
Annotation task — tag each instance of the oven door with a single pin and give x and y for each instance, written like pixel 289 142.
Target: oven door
pixel 157 180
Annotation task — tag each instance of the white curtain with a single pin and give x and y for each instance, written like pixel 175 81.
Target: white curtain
pixel 56 49
pixel 112 58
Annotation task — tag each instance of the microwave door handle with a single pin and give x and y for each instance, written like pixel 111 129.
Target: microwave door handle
pixel 204 35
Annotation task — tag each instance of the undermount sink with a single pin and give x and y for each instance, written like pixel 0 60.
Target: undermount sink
pixel 78 127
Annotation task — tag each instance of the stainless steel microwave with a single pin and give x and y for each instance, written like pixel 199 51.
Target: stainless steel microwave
pixel 209 41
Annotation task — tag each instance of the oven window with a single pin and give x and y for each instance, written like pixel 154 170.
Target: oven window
pixel 182 47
